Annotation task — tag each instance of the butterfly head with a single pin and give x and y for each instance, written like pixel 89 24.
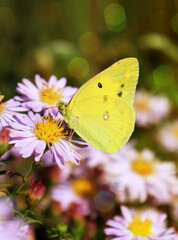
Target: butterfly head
pixel 62 107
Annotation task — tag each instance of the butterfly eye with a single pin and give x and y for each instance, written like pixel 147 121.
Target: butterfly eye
pixel 100 85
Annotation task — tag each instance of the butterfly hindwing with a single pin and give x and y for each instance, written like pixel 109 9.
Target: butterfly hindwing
pixel 106 122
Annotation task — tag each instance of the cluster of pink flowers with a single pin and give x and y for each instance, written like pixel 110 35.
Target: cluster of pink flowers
pixel 33 134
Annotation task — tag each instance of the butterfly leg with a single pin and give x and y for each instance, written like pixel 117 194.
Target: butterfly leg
pixel 70 139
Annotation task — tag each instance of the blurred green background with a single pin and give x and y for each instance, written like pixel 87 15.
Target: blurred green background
pixel 77 39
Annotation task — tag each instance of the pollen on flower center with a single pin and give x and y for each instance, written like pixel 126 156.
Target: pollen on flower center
pixel 49 130
pixel 1 109
pixel 83 187
pixel 49 95
pixel 1 106
pixel 141 228
pixel 142 106
pixel 142 167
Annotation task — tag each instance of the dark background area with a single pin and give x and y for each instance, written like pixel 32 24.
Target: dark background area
pixel 77 39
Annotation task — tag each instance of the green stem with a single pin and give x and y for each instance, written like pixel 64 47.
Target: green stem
pixel 34 166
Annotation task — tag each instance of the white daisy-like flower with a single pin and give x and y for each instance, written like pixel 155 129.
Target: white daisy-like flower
pixel 150 109
pixel 33 135
pixel 8 110
pixel 168 136
pixel 96 158
pixel 138 226
pixel 74 192
pixel 45 95
pixel 142 175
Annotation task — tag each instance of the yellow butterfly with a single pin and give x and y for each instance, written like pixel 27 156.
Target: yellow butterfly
pixel 101 110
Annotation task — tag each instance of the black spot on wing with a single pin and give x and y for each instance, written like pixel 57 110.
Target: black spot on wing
pixel 100 85
pixel 119 94
pixel 122 85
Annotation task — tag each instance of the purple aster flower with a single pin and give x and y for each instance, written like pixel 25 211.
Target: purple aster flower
pixel 138 226
pixel 36 135
pixel 14 229
pixel 66 194
pixel 45 95
pixel 8 110
pixel 6 208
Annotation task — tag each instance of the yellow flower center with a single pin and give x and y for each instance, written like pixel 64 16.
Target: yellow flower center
pixel 50 96
pixel 142 106
pixel 1 106
pixel 83 187
pixel 49 130
pixel 141 228
pixel 142 167
pixel 1 109
pixel 176 131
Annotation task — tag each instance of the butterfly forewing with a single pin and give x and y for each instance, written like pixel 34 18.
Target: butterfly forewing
pixel 119 80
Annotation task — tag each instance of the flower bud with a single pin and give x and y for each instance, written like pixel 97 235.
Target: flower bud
pixel 4 140
pixel 36 191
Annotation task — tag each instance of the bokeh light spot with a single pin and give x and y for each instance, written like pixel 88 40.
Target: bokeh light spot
pixel 104 201
pixel 174 23
pixel 7 18
pixel 78 67
pixel 163 75
pixel 114 15
pixel 89 42
pixel 51 11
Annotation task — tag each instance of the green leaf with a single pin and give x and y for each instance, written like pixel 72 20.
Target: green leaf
pixel 18 212
pixel 32 220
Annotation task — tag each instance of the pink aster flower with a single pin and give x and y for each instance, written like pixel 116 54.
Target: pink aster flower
pixel 8 110
pixel 138 226
pixel 168 136
pixel 6 208
pixel 66 194
pixel 36 135
pixel 14 229
pixel 44 95
pixel 150 109
pixel 142 175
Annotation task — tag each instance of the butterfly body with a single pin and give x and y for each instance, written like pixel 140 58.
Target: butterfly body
pixel 101 111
